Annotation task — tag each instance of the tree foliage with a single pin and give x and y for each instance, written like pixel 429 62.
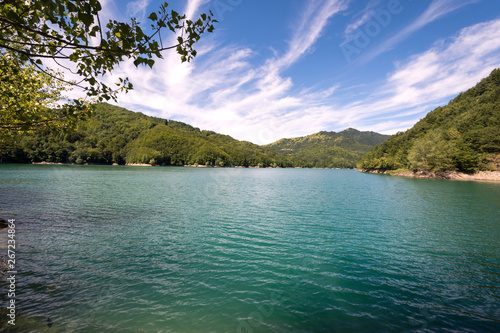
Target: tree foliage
pixel 463 135
pixel 330 149
pixel 28 100
pixel 115 135
pixel 36 34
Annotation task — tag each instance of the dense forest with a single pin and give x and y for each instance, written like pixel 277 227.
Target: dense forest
pixel 113 135
pixel 330 149
pixel 461 136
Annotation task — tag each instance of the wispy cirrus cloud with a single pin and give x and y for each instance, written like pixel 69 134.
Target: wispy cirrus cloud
pixel 311 24
pixel 193 7
pixel 436 10
pixel 229 89
pixel 429 79
pixel 226 92
pixel 137 9
pixel 360 19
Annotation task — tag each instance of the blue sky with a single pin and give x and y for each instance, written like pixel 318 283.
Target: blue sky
pixel 286 68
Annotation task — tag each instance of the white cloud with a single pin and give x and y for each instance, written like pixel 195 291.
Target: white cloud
pixel 193 7
pixel 223 90
pixel 313 22
pixel 431 78
pixel 436 10
pixel 361 18
pixel 137 9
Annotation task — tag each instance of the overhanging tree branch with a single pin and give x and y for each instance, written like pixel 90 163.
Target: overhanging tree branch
pixel 34 31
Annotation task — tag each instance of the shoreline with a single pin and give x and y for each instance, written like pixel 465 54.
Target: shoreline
pixel 489 176
pixel 185 166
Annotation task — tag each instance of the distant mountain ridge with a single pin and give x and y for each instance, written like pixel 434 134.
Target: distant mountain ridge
pixel 462 136
pixel 330 149
pixel 114 135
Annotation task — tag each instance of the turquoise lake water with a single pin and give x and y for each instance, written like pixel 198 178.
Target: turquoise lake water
pixel 131 249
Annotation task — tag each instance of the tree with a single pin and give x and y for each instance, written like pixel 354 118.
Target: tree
pixel 432 152
pixel 69 33
pixel 29 99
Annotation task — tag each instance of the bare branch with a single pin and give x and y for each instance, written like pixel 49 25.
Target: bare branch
pixel 56 77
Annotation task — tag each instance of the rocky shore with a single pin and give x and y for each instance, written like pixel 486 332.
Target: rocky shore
pixel 452 175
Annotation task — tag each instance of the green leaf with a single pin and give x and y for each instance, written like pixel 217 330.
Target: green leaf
pixel 53 23
pixel 150 63
pixel 86 19
pixel 153 16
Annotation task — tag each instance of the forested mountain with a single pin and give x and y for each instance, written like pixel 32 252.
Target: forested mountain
pixel 330 149
pixel 116 135
pixel 461 136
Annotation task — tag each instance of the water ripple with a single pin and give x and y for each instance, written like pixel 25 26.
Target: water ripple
pixel 224 250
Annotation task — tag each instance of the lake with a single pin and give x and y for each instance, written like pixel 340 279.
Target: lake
pixel 165 249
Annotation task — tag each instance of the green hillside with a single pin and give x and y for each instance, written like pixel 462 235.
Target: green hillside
pixel 115 135
pixel 330 149
pixel 462 136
